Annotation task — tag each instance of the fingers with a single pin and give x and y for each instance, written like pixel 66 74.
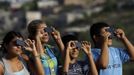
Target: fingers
pixel 55 32
pixel 71 43
pixel 85 44
pixel 86 47
pixel 33 41
pixel 105 34
pixel 30 45
pixel 28 42
pixel 119 31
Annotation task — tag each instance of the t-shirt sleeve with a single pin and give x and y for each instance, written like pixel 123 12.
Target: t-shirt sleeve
pixel 124 55
pixel 96 54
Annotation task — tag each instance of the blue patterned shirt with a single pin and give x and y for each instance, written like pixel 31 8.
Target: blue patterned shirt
pixel 49 62
pixel 117 56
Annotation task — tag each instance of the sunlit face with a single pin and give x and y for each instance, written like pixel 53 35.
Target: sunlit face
pixel 12 48
pixel 44 37
pixel 74 53
pixel 103 30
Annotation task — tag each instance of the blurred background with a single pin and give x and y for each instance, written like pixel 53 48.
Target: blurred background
pixel 75 16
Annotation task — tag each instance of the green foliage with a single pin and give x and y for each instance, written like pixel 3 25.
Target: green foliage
pixel 128 68
pixel 110 5
pixel 30 5
pixel 119 25
pixel 4 5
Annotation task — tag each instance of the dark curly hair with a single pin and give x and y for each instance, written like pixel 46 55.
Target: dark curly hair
pixel 7 39
pixel 96 28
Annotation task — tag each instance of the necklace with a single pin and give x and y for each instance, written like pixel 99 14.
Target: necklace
pixel 15 66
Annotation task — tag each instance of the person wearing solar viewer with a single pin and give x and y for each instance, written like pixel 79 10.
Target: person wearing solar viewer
pixel 39 32
pixel 109 59
pixel 73 66
pixel 12 61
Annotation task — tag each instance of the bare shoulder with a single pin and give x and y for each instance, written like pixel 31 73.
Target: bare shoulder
pixel 1 69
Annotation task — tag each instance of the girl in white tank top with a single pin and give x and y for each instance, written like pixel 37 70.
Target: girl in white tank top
pixel 11 61
pixel 8 71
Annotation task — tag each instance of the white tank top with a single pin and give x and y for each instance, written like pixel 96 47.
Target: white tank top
pixel 8 71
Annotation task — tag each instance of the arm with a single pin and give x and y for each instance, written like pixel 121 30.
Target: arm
pixel 67 58
pixel 93 67
pixel 102 62
pixel 37 62
pixel 130 48
pixel 1 70
pixel 104 57
pixel 87 49
pixel 66 63
pixel 57 38
pixel 38 44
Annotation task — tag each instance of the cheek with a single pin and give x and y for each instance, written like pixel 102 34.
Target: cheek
pixel 17 50
pixel 44 35
pixel 14 49
pixel 40 35
pixel 70 51
pixel 10 47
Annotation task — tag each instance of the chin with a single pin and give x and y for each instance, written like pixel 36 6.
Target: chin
pixel 74 56
pixel 44 40
pixel 109 42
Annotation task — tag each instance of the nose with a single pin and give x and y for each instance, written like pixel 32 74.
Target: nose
pixel 19 47
pixel 74 50
pixel 45 34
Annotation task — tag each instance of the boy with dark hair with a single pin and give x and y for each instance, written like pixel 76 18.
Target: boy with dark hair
pixel 73 66
pixel 109 59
